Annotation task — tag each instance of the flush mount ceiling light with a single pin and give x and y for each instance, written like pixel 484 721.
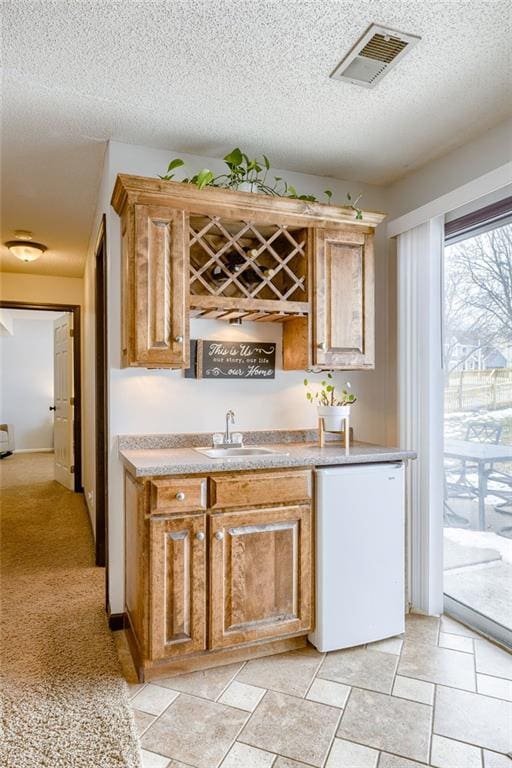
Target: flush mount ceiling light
pixel 24 248
pixel 374 55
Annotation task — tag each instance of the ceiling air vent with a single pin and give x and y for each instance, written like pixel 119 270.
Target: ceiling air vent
pixel 379 49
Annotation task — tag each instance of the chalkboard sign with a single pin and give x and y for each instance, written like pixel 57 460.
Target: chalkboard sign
pixel 232 360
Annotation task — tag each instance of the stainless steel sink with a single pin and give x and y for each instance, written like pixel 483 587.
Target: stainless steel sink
pixel 233 453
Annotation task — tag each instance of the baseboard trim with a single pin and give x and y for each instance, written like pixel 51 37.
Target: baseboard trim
pixel 33 450
pixel 117 621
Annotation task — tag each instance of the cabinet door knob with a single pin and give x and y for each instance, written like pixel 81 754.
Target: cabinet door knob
pixel 178 339
pixel 219 535
pixel 322 346
pixel 200 536
pixel 180 496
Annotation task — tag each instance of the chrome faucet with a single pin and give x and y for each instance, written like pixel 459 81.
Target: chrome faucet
pixel 228 439
pixel 230 416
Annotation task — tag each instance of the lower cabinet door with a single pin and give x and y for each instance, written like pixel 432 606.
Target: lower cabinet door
pixel 261 574
pixel 177 584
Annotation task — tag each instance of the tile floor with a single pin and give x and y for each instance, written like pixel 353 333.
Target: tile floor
pixel 442 697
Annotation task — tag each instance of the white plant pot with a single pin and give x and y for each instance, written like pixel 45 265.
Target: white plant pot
pixel 246 186
pixel 334 416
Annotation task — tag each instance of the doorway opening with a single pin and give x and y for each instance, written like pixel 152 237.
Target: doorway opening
pixel 477 509
pixel 41 403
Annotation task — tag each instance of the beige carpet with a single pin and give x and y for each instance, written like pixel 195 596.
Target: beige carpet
pixel 65 702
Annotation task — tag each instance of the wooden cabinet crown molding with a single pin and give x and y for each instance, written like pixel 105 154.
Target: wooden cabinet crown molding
pixel 148 191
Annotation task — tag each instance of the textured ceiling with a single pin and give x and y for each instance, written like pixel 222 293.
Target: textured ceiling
pixel 204 75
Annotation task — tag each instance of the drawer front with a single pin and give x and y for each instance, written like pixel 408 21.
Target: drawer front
pixel 242 489
pixel 178 495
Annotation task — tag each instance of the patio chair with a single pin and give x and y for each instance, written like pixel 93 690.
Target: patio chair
pixel 490 432
pixel 461 486
pixel 478 432
pixel 450 517
pixel 502 488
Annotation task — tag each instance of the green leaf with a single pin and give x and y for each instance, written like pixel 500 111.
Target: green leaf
pixel 329 388
pixel 266 161
pixel 306 382
pixel 349 196
pixel 235 157
pixel 329 375
pixel 176 163
pixel 328 193
pixel 204 178
pixel 359 215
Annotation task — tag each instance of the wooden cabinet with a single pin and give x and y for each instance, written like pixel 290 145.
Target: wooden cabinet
pixel 155 312
pixel 343 305
pixel 177 586
pixel 215 253
pixel 221 581
pixel 260 574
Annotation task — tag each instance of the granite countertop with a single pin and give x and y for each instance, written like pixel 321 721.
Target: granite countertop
pixel 169 460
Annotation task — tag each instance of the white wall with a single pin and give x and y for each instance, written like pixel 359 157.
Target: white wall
pixel 27 382
pixel 163 401
pixel 464 165
pixel 486 153
pixel 41 289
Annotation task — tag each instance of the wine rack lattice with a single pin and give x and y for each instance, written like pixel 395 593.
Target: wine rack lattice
pixel 247 270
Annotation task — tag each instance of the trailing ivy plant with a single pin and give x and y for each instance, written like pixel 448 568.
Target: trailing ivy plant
pixel 326 395
pixel 243 170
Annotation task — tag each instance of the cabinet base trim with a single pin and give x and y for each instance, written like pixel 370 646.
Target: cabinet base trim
pixel 207 660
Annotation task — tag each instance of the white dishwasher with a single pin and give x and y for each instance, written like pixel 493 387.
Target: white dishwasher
pixel 360 543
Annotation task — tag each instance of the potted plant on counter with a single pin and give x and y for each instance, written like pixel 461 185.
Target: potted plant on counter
pixel 331 407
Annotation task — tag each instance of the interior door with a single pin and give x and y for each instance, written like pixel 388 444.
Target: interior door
pixel 63 400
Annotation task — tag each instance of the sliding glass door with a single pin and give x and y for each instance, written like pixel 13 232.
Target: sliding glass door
pixel 477 505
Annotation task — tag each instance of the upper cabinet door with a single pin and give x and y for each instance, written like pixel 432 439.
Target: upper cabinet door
pixel 343 327
pixel 157 288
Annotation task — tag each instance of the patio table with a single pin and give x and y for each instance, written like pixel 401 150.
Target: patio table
pixel 484 455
